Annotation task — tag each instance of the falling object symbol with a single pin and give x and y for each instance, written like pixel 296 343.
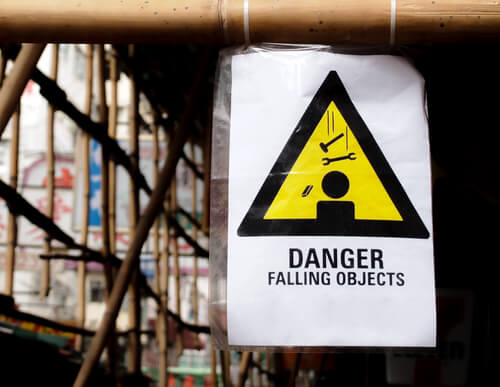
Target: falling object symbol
pixel 307 190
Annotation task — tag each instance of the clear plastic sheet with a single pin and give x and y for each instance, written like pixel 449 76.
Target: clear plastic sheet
pixel 219 188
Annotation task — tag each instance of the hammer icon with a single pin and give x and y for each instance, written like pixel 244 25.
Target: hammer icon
pixel 324 147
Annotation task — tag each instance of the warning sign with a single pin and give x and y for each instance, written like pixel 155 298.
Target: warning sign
pixel 329 221
pixel 332 179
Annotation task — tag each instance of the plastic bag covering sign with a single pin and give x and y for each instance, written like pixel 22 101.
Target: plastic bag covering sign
pixel 329 229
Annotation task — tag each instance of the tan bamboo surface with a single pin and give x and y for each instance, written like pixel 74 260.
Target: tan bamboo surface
pixel 207 155
pixel 225 365
pixel 269 368
pixel 14 84
pixel 108 267
pixel 112 122
pixel 126 269
pixel 161 332
pixel 246 358
pixel 134 358
pixel 258 361
pixel 177 275
pixel 194 235
pixel 223 21
pixel 85 170
pixel 10 257
pixel 213 364
pixel 3 65
pixel 164 296
pixel 250 371
pixel 50 163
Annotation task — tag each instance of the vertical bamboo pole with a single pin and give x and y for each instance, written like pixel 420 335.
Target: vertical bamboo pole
pixel 194 205
pixel 3 64
pixel 295 370
pixel 269 367
pixel 164 284
pixel 207 155
pixel 213 365
pixel 161 331
pixel 225 363
pixel 12 218
pixel 258 361
pixel 81 314
pixel 112 122
pixel 45 281
pixel 108 268
pixel 246 358
pixel 177 276
pixel 134 363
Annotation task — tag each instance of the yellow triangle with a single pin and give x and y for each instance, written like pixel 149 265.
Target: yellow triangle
pixel 302 188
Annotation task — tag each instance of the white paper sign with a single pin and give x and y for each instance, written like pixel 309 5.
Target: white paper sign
pixel 330 227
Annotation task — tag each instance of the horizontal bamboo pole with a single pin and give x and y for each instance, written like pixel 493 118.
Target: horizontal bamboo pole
pixel 224 21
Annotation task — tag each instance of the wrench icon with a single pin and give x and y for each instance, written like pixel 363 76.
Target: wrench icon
pixel 350 156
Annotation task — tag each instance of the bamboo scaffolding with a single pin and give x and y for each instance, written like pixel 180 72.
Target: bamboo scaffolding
pixel 224 21
pixel 85 168
pixel 134 351
pixel 10 259
pixel 177 275
pixel 246 358
pixel 194 235
pixel 161 332
pixel 156 202
pixel 207 161
pixel 112 122
pixel 213 364
pixel 225 364
pixel 164 296
pixel 13 86
pixel 45 280
pixel 258 364
pixel 295 370
pixel 107 259
pixel 269 368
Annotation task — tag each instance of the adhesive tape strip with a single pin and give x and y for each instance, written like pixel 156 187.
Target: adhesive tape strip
pixel 392 38
pixel 246 24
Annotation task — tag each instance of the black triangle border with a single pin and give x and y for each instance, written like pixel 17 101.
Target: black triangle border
pixel 254 224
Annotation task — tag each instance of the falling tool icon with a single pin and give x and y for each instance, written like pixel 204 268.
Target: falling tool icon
pixel 350 156
pixel 324 146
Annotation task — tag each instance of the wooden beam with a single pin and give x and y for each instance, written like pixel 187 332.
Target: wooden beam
pixel 224 21
pixel 13 86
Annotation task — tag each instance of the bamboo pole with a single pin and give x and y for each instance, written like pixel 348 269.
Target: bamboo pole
pixel 295 370
pixel 164 296
pixel 225 363
pixel 45 280
pixel 156 202
pixel 246 358
pixel 106 249
pixel 269 368
pixel 85 168
pixel 18 77
pixel 3 64
pixel 207 161
pixel 258 361
pixel 194 235
pixel 134 358
pixel 213 364
pixel 10 258
pixel 177 275
pixel 128 265
pixel 112 122
pixel 161 331
pixel 225 21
